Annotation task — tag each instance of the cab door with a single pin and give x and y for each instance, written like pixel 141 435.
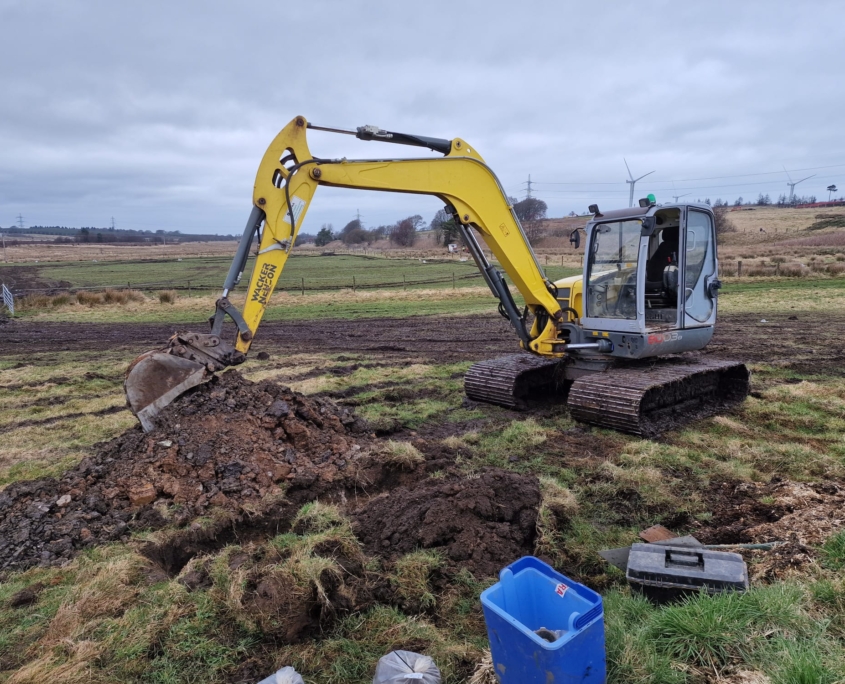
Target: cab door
pixel 700 269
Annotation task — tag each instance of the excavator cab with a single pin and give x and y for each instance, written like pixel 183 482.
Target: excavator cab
pixel 649 289
pixel 650 280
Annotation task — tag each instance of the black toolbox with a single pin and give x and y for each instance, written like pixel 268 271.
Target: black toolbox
pixel 665 573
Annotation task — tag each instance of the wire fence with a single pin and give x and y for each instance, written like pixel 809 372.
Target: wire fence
pixel 301 284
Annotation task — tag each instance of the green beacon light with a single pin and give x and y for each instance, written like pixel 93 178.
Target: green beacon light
pixel 652 199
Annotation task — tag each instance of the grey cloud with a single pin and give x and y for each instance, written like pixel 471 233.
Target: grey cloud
pixel 158 112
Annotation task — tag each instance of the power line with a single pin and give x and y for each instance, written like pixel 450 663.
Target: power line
pixel 20 221
pixel 689 180
pixel 693 187
pixel 762 173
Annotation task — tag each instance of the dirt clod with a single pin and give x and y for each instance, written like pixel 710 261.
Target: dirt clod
pixel 481 523
pixel 26 596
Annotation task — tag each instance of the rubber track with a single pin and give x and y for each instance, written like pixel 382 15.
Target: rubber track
pixel 649 400
pixel 507 380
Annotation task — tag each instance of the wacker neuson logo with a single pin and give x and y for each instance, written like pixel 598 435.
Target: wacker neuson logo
pixel 265 284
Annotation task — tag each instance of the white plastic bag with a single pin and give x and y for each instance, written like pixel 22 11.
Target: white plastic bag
pixel 287 675
pixel 406 666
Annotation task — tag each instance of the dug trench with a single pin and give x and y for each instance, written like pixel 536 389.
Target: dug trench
pixel 237 463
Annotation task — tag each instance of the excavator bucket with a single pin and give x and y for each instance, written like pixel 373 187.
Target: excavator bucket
pixel 157 378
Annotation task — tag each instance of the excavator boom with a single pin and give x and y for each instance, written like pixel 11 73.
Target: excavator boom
pixel 285 184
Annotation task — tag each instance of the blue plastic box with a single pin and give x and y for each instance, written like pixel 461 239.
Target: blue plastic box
pixel 528 596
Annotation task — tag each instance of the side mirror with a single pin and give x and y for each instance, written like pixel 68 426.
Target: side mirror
pixel 575 239
pixel 713 287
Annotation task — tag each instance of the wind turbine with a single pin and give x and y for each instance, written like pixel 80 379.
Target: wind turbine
pixel 792 183
pixel 633 181
pixel 679 196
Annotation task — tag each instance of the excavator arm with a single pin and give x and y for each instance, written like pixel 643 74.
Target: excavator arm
pixel 285 184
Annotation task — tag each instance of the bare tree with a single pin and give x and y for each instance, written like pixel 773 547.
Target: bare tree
pixel 436 225
pixel 723 223
pixel 531 213
pixel 444 227
pixel 405 233
pixel 353 233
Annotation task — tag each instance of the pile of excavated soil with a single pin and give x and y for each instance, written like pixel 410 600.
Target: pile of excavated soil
pixel 260 451
pixel 477 522
pixel 226 444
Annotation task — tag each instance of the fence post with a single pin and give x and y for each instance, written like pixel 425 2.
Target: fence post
pixel 739 269
pixel 453 280
pixel 189 288
pixel 303 287
pixel 404 282
pixel 8 299
pixel 353 283
pixel 777 269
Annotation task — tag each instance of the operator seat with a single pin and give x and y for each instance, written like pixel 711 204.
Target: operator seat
pixel 665 255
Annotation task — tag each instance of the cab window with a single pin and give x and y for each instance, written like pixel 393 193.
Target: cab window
pixel 700 264
pixel 612 279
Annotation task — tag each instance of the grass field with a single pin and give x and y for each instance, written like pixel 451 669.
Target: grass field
pixel 106 618
pixel 317 273
pixel 763 296
pixel 102 618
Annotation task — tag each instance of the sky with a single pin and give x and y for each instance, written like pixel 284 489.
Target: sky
pixel 157 113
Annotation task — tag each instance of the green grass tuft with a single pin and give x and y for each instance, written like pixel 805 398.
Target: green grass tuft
pixel 402 454
pixel 411 575
pixel 833 551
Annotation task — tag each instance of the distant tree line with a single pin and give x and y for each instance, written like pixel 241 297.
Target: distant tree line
pixel 403 232
pixel 88 234
pixel 764 200
pixel 531 213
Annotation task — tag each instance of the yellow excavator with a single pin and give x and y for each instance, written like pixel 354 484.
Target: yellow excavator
pixel 612 339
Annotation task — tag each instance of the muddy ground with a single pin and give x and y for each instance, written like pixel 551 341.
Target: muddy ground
pixel 27 278
pixel 231 445
pixel 261 450
pixel 109 508
pixel 804 342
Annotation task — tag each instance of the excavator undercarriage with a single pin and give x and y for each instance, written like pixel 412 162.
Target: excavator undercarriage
pixel 641 398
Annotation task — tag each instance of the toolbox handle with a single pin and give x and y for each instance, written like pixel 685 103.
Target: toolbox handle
pixel 684 559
